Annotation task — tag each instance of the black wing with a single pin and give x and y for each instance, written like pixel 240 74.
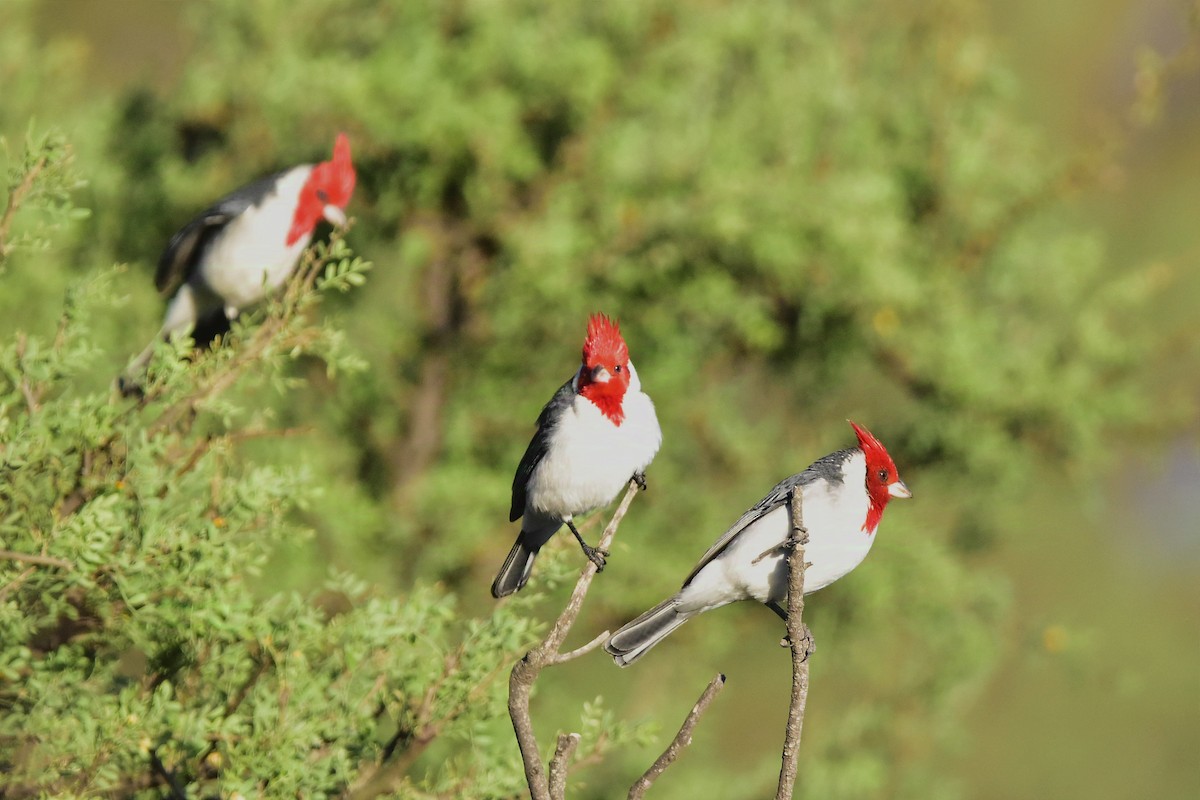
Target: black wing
pixel 827 467
pixel 538 446
pixel 187 246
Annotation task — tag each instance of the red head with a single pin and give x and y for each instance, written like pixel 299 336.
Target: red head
pixel 326 192
pixel 605 373
pixel 883 481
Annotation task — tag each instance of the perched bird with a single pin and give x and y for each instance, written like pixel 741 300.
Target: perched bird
pixel 598 431
pixel 844 495
pixel 246 245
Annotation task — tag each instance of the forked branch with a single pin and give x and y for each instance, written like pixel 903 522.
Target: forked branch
pixel 525 672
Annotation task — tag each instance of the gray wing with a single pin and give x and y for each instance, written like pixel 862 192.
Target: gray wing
pixel 186 248
pixel 539 445
pixel 827 467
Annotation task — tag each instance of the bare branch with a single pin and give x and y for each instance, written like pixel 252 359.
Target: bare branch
pixel 801 644
pixel 562 658
pixel 526 671
pixel 681 740
pixel 559 764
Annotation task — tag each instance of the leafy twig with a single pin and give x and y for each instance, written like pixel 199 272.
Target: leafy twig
pixel 681 740
pixel 14 201
pixel 800 641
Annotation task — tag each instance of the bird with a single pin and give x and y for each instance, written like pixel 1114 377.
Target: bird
pixel 245 245
pixel 598 432
pixel 844 495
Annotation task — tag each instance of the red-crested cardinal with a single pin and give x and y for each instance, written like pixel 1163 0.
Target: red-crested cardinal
pixel 845 494
pixel 246 244
pixel 598 431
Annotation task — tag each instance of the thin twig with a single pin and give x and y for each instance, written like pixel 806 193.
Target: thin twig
pixel 526 671
pixel 16 582
pixel 562 658
pixel 567 742
pixel 29 558
pixel 681 740
pixel 800 640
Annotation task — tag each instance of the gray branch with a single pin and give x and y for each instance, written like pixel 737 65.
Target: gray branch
pixel 559 764
pixel 681 740
pixel 801 644
pixel 526 671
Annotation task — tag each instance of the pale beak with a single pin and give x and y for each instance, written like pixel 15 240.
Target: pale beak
pixel 899 489
pixel 335 216
pixel 600 375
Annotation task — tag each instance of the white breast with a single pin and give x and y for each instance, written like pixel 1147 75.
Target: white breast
pixel 834 516
pixel 252 251
pixel 590 459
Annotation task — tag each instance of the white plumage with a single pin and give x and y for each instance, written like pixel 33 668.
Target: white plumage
pixel 252 251
pixel 837 543
pixel 589 459
pixel 844 495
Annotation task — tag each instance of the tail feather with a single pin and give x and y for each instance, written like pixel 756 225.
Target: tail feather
pixel 516 569
pixel 635 638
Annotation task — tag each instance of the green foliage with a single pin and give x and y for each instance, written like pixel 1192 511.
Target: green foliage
pixel 798 214
pixel 40 182
pixel 133 543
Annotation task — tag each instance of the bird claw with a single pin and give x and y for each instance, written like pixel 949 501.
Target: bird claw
pixel 793 541
pixel 596 556
pixel 640 479
pixel 806 641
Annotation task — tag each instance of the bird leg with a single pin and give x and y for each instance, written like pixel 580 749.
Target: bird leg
pixel 779 610
pixel 640 479
pixel 594 554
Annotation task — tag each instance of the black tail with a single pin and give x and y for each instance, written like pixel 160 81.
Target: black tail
pixel 516 569
pixel 635 638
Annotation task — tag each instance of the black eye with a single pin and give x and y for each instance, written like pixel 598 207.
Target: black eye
pixel 323 195
pixel 883 475
pixel 617 368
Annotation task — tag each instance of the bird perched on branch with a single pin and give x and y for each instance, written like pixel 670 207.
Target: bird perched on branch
pixel 244 246
pixel 596 433
pixel 844 496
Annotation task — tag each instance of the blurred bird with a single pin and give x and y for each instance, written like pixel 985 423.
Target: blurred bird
pixel 598 431
pixel 845 494
pixel 245 246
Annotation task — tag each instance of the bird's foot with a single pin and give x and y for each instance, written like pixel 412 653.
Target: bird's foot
pixel 640 479
pixel 795 539
pixel 595 555
pixel 807 643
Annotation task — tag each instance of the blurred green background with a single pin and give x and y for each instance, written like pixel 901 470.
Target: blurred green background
pixel 969 226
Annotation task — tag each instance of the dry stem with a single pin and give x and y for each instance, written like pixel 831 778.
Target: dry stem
pixel 681 740
pixel 800 640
